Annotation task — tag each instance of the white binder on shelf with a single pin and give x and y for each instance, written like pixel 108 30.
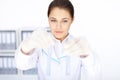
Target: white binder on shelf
pixel 7 40
pixel 25 34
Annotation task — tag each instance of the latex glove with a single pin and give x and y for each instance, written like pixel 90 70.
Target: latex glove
pixel 38 39
pixel 78 47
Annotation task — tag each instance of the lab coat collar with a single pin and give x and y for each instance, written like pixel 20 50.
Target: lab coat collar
pixel 69 36
pixel 53 55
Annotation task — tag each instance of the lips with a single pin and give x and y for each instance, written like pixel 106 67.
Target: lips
pixel 59 32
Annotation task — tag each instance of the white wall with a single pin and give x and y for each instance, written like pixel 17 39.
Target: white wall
pixel 98 20
pixel 23 13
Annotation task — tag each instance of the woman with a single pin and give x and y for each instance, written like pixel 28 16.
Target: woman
pixel 58 55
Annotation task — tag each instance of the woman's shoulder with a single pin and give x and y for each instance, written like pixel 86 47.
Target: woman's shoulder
pixel 81 37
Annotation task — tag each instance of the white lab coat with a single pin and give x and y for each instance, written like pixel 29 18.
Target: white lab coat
pixel 53 63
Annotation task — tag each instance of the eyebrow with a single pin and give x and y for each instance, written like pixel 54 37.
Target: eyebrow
pixel 52 18
pixel 55 18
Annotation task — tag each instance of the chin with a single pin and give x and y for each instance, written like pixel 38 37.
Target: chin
pixel 58 37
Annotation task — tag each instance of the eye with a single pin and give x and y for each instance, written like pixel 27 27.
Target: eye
pixel 53 20
pixel 65 21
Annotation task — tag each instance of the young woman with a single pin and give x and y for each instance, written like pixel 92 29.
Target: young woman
pixel 58 55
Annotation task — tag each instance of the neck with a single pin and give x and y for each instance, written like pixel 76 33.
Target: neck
pixel 61 39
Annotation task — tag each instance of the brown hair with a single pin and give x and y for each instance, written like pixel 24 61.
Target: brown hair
pixel 64 4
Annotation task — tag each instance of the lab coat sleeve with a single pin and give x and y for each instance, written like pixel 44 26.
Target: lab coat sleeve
pixel 25 62
pixel 91 68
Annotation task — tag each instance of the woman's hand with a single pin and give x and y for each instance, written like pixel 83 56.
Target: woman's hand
pixel 78 47
pixel 38 39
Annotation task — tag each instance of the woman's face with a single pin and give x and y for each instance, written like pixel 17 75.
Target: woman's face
pixel 60 21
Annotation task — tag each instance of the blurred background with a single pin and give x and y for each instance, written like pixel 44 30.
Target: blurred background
pixel 98 20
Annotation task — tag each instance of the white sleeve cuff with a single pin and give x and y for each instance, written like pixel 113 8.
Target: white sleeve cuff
pixel 25 62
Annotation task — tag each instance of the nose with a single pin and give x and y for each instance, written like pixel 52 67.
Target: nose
pixel 58 25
